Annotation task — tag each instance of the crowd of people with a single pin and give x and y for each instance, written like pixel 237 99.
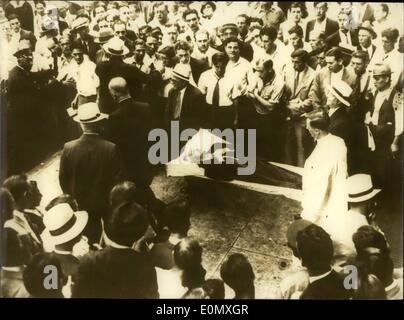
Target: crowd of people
pixel 322 88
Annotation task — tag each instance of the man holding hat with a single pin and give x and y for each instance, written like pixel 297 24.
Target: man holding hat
pixel 90 167
pixel 118 271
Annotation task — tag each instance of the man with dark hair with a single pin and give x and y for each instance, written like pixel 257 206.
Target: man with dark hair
pixel 321 22
pixel 221 112
pixel 361 103
pixel 380 121
pixel 316 252
pixel 19 33
pixel 118 271
pixel 272 50
pixel 389 53
pixel 230 30
pixel 236 271
pixel 81 35
pixel 295 20
pixel 344 36
pixel 298 81
pixel 183 55
pixel 203 50
pixel 34 276
pixel 120 31
pixel 335 71
pixel 243 24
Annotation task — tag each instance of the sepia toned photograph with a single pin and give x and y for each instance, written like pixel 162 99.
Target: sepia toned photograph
pixel 201 150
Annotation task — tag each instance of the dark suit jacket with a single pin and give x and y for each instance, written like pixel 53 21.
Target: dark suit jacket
pixel 330 287
pixel 28 35
pixel 193 104
pixel 129 126
pixel 197 67
pixel 89 168
pixel 383 131
pixel 115 273
pixel 106 70
pixel 340 125
pixel 335 39
pixel 69 263
pixel 91 48
pixel 331 27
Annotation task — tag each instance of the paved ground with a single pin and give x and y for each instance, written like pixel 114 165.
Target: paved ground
pixel 231 220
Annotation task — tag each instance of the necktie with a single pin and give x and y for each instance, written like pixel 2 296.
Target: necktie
pixel 216 94
pixel 177 107
pixel 296 83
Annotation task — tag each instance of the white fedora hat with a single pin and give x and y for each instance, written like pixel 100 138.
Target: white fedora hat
pixel 89 113
pixel 360 188
pixel 182 71
pixel 62 224
pixel 342 91
pixel 116 47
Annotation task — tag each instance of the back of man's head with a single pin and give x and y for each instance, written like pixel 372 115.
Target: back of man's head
pixel 315 249
pixel 118 86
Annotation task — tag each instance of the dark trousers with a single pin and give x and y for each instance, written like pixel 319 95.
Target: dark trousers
pixel 221 117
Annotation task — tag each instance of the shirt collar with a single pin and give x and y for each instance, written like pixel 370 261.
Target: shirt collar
pixel 113 244
pixel 321 276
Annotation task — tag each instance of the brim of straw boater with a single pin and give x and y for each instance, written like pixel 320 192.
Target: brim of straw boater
pixel 179 76
pixel 121 52
pixel 363 196
pixel 339 96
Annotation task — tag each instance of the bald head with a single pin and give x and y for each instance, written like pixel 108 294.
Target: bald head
pixel 118 88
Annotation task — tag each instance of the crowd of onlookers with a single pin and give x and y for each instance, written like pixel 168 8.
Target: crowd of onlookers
pixel 321 83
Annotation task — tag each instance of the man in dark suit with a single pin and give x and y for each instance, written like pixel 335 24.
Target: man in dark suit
pixel 338 100
pixel 25 110
pixel 315 249
pixel 183 56
pixel 344 36
pixel 115 67
pixel 381 123
pixel 321 22
pixel 118 271
pixel 80 31
pixel 185 102
pixel 361 103
pixel 129 126
pixel 23 34
pixel 365 36
pixel 90 167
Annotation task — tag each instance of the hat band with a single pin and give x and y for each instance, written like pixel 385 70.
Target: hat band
pixel 92 118
pixel 178 75
pixel 113 51
pixel 361 194
pixel 66 227
pixel 340 94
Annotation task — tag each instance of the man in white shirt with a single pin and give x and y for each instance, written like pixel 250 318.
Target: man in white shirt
pixel 160 17
pixel 202 50
pixel 218 94
pixel 87 82
pixel 295 19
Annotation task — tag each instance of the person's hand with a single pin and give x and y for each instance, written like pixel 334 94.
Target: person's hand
pixel 159 66
pixel 81 248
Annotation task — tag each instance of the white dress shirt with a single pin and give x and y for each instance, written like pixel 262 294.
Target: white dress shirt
pixel 237 75
pixel 86 79
pixel 207 84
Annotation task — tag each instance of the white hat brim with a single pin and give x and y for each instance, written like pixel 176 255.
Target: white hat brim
pixel 102 116
pixel 124 53
pixel 73 232
pixel 338 96
pixel 365 197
